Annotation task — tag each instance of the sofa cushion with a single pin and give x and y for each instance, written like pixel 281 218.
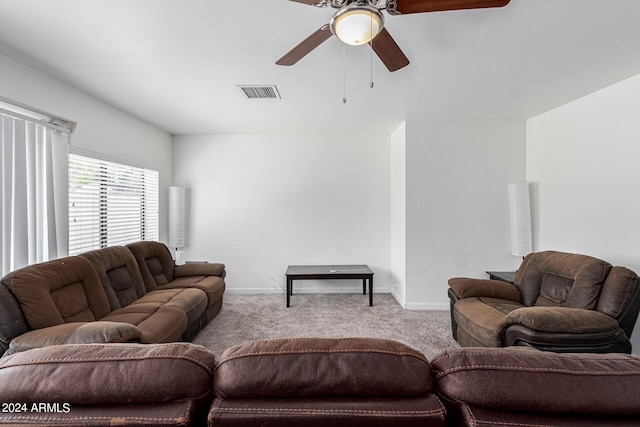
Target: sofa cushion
pixel 618 291
pixel 12 321
pixel 110 384
pixel 484 318
pixel 562 320
pixel 60 291
pixel 199 269
pixel 119 274
pixel 315 367
pixel 192 301
pixel 76 333
pixel 555 278
pixel 154 261
pixel 157 323
pixel 466 288
pixel 212 286
pixel 525 380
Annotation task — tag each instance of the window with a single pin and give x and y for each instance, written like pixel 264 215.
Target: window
pixel 110 204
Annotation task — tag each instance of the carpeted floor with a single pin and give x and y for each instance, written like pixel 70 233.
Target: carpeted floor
pixel 246 318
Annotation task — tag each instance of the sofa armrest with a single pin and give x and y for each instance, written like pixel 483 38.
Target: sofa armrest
pixel 103 384
pixel 75 333
pixel 562 320
pixel 199 269
pixel 525 380
pixel 466 288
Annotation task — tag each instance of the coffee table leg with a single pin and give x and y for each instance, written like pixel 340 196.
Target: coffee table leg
pixel 370 291
pixel 364 286
pixel 289 286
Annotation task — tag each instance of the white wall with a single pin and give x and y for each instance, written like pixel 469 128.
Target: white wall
pixel 457 205
pixel 101 128
pixel 259 203
pixel 583 159
pixel 399 214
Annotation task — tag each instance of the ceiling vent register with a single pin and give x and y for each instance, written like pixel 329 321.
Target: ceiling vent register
pixel 261 92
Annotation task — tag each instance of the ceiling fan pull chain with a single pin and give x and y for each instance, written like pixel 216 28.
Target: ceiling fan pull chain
pixel 344 73
pixel 371 52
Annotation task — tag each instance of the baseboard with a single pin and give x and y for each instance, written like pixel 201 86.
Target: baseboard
pixel 253 291
pixel 428 306
pixel 296 290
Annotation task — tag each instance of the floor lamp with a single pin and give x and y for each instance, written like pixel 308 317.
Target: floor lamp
pixel 520 219
pixel 177 219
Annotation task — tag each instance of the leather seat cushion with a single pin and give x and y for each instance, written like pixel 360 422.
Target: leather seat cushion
pixel 484 318
pixel 213 287
pixel 157 323
pixel 192 301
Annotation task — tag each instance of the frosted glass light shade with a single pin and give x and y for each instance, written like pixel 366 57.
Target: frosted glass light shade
pixel 357 24
pixel 520 218
pixel 177 216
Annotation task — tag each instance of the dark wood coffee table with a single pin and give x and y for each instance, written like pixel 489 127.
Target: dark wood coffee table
pixel 330 272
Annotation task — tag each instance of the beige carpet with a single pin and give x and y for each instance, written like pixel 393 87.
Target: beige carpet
pixel 246 318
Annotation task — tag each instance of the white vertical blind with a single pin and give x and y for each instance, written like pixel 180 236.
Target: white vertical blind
pixel 32 186
pixel 110 204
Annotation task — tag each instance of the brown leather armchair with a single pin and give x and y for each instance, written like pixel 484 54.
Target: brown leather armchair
pixel 559 302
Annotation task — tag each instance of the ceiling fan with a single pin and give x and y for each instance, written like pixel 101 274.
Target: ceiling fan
pixel 361 21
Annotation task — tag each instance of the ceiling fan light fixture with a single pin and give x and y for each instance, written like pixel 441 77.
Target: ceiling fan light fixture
pixel 357 24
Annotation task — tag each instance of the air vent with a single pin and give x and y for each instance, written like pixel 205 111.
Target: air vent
pixel 261 92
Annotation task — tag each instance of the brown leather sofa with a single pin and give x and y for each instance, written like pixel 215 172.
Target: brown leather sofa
pixel 322 382
pixel 100 297
pixel 316 382
pixel 107 385
pixel 159 272
pixel 559 302
pixel 518 386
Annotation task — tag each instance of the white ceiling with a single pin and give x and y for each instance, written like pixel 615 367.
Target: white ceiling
pixel 177 63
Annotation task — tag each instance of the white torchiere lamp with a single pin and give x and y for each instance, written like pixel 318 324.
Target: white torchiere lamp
pixel 520 219
pixel 177 220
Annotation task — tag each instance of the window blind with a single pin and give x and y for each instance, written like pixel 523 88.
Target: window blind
pixel 110 204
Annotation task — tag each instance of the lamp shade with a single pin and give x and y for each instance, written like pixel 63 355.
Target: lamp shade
pixel 520 218
pixel 177 216
pixel 357 24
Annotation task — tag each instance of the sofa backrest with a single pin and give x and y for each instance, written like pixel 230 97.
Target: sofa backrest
pixel 56 292
pixel 155 263
pixel 620 297
pixel 560 279
pixel 109 384
pixel 322 368
pixel 12 321
pixel 119 274
pixel 559 387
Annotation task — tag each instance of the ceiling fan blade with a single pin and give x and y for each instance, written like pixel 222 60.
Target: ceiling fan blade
pixel 403 7
pixel 306 46
pixel 388 51
pixel 309 2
